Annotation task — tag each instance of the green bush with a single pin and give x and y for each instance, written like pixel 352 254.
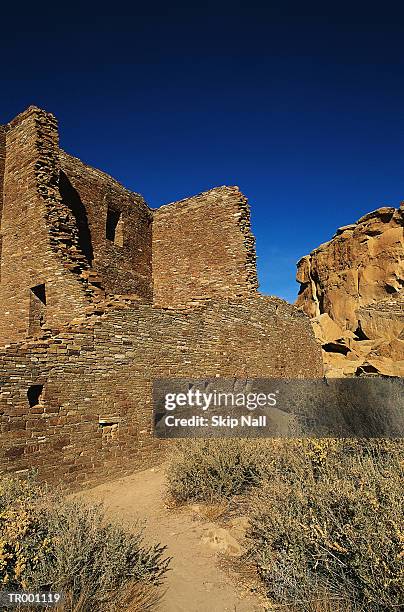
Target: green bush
pixel 48 542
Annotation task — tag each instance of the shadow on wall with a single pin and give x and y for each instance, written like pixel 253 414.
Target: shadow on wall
pixel 71 198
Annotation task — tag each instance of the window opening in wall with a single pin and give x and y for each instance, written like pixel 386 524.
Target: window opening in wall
pixel 37 309
pixel 71 198
pixel 114 227
pixel 40 292
pixel 34 395
pixel 109 427
pixel 107 422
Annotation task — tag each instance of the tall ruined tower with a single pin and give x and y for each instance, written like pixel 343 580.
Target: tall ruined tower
pixel 72 235
pixel 56 256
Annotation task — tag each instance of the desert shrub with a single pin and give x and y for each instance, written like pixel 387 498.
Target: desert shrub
pixel 209 470
pixel 48 542
pixel 212 470
pixel 326 516
pixel 330 520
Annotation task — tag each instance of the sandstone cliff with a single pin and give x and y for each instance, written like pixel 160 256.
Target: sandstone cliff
pixel 353 289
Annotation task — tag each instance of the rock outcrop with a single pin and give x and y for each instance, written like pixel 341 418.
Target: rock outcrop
pixel 353 289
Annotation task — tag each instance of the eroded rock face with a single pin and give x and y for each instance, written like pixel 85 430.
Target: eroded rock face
pixel 353 288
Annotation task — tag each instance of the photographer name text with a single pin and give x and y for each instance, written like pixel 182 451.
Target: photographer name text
pixel 216 420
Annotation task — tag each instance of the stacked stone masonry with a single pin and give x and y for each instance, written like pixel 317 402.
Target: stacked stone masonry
pixel 206 243
pixel 99 295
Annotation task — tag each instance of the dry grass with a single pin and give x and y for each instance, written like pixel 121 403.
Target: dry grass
pixel 320 603
pixel 138 597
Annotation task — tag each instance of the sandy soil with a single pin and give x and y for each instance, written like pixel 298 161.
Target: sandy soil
pixel 195 583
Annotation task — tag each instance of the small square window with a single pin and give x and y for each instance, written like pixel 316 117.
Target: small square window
pixel 34 395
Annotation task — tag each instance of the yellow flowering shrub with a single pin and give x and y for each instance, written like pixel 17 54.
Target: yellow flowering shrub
pixel 330 519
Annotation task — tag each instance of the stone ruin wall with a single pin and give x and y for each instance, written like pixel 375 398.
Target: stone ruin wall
pixel 122 263
pixel 53 228
pixel 53 231
pixel 2 164
pixel 206 244
pixel 105 374
pixel 34 249
pixel 131 294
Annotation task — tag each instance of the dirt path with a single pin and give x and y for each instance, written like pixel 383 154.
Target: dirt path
pixel 195 583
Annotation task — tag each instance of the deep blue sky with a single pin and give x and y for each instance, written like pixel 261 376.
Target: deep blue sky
pixel 300 107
